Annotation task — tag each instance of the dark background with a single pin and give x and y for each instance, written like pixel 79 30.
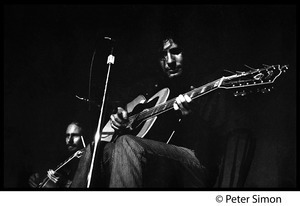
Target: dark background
pixel 47 58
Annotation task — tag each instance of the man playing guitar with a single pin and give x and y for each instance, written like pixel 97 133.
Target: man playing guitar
pixel 178 149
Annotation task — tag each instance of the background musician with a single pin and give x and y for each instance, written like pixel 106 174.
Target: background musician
pixel 74 142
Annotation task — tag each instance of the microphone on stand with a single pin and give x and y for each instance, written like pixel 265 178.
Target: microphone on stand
pixel 98 134
pixel 110 58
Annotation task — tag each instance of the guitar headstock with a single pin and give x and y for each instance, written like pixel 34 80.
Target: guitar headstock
pixel 254 77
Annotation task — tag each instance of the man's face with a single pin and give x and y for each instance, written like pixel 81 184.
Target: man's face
pixel 172 59
pixel 73 137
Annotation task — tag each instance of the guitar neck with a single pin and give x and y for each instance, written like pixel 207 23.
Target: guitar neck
pixel 76 154
pixel 254 77
pixel 168 105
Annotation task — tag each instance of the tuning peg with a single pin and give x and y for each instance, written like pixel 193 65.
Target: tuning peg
pixel 265 90
pixel 284 68
pixel 240 93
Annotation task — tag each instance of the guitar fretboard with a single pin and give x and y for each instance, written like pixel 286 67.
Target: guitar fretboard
pixel 168 105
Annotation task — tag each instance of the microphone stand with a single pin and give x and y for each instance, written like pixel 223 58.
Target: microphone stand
pixel 110 61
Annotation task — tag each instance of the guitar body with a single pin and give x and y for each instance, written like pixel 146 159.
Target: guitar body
pixel 138 105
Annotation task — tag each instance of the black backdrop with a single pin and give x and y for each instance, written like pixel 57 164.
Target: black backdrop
pixel 47 58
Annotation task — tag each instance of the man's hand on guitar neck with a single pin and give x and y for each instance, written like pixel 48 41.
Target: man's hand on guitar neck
pixel 182 103
pixel 119 120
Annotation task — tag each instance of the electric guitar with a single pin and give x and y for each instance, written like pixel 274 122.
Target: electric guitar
pixel 142 113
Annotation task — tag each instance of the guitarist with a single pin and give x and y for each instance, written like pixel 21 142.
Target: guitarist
pixel 184 158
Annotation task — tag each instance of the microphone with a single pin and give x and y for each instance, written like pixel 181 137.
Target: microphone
pixel 111 58
pixel 110 39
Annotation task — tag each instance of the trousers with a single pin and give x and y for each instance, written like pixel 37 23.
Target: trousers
pixel 133 162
